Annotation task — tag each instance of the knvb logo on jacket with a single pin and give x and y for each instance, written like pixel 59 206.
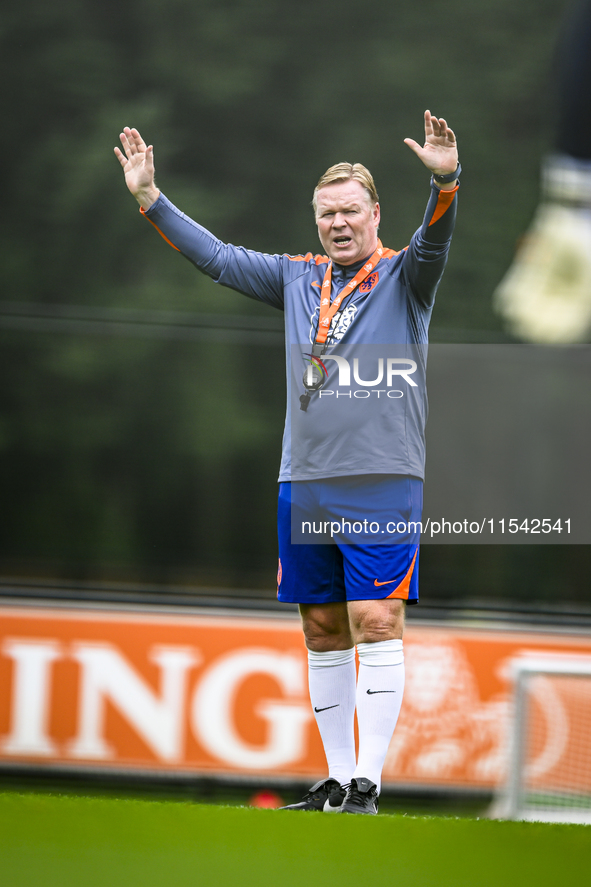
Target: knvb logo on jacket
pixel 369 283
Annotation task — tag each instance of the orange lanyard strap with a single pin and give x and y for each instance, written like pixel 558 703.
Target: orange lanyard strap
pixel 328 309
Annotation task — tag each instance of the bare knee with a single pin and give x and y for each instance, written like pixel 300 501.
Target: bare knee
pixel 373 621
pixel 326 627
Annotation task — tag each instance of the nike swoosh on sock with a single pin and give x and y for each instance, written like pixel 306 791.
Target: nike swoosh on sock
pixel 371 692
pixel 327 707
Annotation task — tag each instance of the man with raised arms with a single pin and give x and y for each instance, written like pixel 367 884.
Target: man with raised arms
pixel 351 593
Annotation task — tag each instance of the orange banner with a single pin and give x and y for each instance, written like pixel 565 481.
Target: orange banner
pixel 228 695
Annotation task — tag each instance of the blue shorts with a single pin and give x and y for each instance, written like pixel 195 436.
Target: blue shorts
pixel 331 568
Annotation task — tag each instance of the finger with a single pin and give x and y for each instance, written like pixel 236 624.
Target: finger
pixel 150 159
pixel 120 157
pixel 436 124
pixel 451 135
pixel 126 134
pixel 445 132
pixel 139 142
pixel 126 140
pixel 134 141
pixel 414 146
pixel 429 123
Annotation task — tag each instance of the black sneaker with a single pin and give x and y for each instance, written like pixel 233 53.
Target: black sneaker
pixel 326 795
pixel 361 797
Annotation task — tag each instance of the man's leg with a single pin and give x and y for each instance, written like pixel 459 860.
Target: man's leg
pixel 312 576
pixel 381 576
pixel 332 679
pixel 377 628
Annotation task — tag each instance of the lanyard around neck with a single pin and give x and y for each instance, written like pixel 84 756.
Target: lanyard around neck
pixel 328 309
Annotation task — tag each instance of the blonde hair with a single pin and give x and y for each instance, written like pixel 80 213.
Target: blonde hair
pixel 343 172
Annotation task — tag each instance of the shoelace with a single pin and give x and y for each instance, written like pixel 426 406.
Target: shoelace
pixel 322 790
pixel 355 796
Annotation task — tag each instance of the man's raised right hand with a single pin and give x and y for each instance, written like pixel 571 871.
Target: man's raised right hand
pixel 138 167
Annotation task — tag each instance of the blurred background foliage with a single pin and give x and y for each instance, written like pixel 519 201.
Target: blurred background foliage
pixel 140 442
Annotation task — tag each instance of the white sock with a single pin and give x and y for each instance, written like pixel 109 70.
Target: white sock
pixel 331 678
pixel 380 686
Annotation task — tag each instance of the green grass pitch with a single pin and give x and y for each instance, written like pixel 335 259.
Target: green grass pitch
pixel 51 840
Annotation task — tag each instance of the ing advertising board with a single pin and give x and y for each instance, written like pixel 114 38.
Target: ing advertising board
pixel 227 695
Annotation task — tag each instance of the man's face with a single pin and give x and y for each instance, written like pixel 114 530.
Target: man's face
pixel 347 221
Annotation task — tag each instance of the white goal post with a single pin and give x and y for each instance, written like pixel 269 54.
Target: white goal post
pixel 549 773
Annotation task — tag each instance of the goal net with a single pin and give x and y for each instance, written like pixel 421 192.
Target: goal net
pixel 550 744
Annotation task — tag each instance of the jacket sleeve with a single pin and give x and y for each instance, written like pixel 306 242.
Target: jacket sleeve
pixel 257 275
pixel 426 256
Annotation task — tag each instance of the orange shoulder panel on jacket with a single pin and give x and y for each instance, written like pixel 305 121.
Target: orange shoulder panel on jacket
pixel 319 260
pixel 390 253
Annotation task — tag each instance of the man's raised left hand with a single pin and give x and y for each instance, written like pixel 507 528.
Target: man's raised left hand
pixel 440 151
